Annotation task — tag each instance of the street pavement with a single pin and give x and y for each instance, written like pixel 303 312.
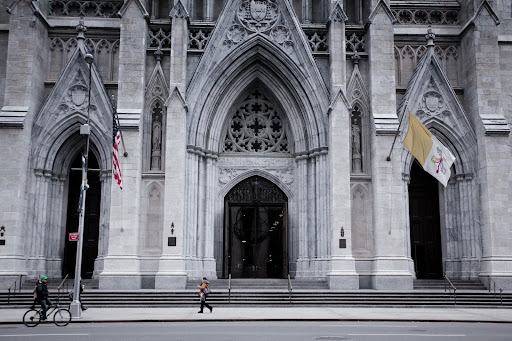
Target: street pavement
pixel 248 313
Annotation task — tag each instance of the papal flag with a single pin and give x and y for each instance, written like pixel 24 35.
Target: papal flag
pixel 435 158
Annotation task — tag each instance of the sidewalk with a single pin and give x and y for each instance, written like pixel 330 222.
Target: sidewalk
pixel 9 316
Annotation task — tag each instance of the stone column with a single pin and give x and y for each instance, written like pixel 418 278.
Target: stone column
pixel 391 256
pixel 121 263
pixel 483 95
pixel 25 73
pixel 342 274
pixel 171 273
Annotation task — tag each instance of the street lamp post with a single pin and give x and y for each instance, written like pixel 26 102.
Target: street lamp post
pixel 85 130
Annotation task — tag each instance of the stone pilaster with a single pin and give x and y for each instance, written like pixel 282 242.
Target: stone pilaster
pixel 25 70
pixel 342 274
pixel 121 263
pixel 391 256
pixel 171 273
pixel 483 101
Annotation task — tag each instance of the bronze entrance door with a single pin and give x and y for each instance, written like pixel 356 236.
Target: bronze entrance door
pixel 255 233
pixel 91 221
pixel 425 226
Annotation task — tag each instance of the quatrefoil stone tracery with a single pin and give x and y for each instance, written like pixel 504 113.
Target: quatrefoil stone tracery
pixel 256 127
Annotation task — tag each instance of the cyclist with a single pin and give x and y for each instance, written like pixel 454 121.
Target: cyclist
pixel 42 296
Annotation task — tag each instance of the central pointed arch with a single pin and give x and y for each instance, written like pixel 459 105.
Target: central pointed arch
pixel 258 60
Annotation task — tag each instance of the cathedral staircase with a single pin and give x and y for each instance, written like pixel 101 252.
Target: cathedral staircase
pixel 274 292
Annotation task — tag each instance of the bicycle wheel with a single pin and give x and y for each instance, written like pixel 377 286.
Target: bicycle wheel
pixel 62 317
pixel 32 318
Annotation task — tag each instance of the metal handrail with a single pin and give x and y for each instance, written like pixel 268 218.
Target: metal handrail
pixel 229 288
pixel 452 287
pixel 489 279
pixel 61 285
pixel 290 288
pixel 19 277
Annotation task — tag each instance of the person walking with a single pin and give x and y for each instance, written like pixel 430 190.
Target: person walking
pixel 72 295
pixel 204 291
pixel 42 296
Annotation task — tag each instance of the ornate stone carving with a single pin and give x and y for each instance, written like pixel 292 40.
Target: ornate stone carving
pixel 261 17
pixel 285 175
pixel 256 127
pixel 258 15
pixel 156 137
pixel 432 103
pixel 76 97
pixel 79 8
pixel 179 11
pixel 426 17
pixel 338 14
pixel 160 38
pixel 355 42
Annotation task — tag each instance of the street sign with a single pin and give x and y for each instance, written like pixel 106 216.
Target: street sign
pixel 73 237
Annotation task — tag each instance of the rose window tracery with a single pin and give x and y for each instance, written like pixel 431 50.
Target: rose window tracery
pixel 256 127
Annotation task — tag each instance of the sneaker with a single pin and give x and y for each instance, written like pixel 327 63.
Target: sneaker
pixel 211 309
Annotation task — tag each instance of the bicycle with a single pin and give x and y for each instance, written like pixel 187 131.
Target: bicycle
pixel 61 316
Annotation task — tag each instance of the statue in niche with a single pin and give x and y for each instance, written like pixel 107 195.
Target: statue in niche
pixel 156 139
pixel 356 141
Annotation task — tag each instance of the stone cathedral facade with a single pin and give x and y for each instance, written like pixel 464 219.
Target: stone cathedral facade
pixel 256 136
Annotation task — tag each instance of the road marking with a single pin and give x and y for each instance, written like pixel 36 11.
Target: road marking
pixel 365 326
pixel 43 335
pixel 429 335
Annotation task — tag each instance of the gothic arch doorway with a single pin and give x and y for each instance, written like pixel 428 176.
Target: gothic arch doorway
pixel 91 221
pixel 255 233
pixel 425 229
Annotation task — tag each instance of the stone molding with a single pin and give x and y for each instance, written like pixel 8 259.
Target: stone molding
pixel 387 10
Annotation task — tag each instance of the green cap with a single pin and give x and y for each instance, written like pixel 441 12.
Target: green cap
pixel 43 277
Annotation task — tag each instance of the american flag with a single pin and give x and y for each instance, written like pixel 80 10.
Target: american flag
pixel 116 168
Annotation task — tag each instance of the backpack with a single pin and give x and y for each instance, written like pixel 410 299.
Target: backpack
pixel 207 290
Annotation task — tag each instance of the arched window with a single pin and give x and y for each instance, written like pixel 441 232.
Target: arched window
pixel 256 127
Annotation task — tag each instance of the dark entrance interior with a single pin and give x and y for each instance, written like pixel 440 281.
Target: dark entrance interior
pixel 91 221
pixel 425 226
pixel 255 233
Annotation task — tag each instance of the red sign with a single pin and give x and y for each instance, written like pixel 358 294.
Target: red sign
pixel 73 236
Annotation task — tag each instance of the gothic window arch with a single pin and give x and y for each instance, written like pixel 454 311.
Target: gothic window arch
pixel 256 126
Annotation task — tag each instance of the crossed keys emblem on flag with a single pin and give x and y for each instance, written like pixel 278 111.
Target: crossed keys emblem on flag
pixel 439 161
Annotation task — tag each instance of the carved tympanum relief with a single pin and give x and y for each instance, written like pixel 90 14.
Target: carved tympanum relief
pixel 432 103
pixel 259 17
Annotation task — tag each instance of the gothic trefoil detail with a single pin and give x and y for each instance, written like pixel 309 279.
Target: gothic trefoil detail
pixel 338 14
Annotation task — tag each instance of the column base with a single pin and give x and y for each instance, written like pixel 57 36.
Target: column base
pixel 120 281
pixel 383 282
pixel 343 282
pixel 171 281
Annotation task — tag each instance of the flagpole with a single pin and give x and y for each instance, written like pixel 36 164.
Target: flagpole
pixel 75 307
pixel 397 131
pixel 119 126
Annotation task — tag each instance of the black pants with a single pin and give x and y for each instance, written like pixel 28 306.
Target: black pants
pixel 203 303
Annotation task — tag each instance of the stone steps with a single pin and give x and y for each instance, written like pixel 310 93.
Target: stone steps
pixel 247 297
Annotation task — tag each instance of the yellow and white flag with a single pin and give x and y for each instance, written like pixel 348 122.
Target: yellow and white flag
pixel 435 158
